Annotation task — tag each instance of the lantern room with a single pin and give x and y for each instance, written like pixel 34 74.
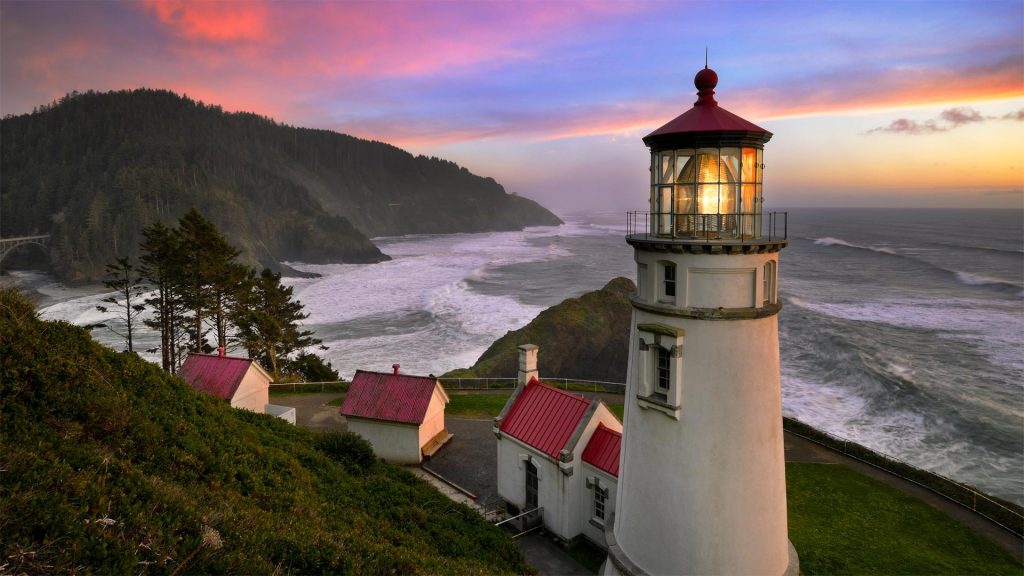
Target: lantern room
pixel 706 172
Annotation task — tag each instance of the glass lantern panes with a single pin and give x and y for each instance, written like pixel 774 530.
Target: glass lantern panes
pixel 712 193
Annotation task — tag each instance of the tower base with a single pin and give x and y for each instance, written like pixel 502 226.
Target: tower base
pixel 619 564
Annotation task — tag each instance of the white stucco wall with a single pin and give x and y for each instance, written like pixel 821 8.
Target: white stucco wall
pixel 253 392
pixel 433 421
pixel 559 493
pixel 705 493
pixel 594 531
pixel 394 442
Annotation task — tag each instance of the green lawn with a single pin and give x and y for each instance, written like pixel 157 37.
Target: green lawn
pixel 476 405
pixel 842 522
pixel 337 401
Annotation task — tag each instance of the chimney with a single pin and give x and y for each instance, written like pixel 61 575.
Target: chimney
pixel 220 351
pixel 395 367
pixel 527 363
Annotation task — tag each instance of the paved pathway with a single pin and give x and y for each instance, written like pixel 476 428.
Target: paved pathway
pixel 312 411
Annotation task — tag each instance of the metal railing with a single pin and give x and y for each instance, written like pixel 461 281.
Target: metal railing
pixel 576 384
pixel 309 386
pixel 708 228
pixel 968 497
pixel 525 516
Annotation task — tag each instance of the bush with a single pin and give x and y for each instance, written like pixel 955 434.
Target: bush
pixel 348 449
pixel 312 368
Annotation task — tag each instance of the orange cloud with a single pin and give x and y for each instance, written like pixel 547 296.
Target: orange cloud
pixel 213 21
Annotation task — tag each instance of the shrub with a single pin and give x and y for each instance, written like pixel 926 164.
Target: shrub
pixel 348 449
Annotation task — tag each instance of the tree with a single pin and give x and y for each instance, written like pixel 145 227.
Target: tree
pixel 210 277
pixel 268 319
pixel 130 288
pixel 161 266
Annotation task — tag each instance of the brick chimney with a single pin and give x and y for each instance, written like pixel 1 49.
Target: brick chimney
pixel 528 363
pixel 395 367
pixel 220 351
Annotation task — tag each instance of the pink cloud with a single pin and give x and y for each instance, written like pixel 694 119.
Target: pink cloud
pixel 214 21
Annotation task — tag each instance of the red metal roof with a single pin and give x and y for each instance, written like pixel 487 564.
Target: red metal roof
pixel 391 397
pixel 217 375
pixel 544 417
pixel 706 116
pixel 603 450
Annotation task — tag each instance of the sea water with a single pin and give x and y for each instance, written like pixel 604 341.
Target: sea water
pixel 900 329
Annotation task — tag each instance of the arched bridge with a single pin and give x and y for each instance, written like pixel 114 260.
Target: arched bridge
pixel 9 244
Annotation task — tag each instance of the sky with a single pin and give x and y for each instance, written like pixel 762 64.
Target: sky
pixel 889 104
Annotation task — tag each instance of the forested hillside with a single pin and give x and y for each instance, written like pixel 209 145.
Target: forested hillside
pixel 110 466
pixel 585 337
pixel 94 169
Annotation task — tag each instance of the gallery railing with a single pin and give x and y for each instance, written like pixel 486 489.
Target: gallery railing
pixel 710 228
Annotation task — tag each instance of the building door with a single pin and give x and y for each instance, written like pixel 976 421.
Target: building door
pixel 531 485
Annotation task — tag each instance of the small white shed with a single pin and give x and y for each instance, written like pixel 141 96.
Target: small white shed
pixel 402 416
pixel 240 381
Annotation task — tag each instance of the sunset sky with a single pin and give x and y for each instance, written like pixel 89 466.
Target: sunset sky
pixel 871 103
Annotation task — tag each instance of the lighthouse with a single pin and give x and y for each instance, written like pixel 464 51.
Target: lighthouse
pixel 702 486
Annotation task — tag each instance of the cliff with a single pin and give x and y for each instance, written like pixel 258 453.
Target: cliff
pixel 585 337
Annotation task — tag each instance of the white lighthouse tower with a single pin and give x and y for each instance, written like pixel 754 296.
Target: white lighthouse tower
pixel 702 486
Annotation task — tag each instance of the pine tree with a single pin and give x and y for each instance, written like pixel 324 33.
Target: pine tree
pixel 161 266
pixel 130 287
pixel 210 277
pixel 268 319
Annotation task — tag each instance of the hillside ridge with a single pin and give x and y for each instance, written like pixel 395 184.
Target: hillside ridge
pixel 93 169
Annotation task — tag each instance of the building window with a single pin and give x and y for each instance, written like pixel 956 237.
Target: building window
pixel 768 287
pixel 663 378
pixel 641 281
pixel 668 276
pixel 600 496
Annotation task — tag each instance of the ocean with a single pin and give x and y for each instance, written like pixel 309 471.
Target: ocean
pixel 900 329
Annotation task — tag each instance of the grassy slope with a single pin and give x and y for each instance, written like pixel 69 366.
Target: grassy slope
pixel 842 522
pixel 111 466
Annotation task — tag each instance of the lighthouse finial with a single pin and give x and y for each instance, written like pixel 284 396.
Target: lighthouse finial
pixel 705 56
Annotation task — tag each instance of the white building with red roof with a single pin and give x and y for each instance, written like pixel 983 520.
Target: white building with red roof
pixel 402 416
pixel 240 381
pixel 558 452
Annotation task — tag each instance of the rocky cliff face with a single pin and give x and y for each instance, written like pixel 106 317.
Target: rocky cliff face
pixel 585 337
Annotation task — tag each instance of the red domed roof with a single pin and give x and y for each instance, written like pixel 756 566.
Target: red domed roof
pixel 707 123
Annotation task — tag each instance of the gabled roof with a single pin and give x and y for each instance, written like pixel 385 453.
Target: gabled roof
pixel 544 417
pixel 217 375
pixel 390 397
pixel 603 450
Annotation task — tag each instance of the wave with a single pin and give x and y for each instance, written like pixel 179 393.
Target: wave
pixel 830 241
pixel 964 278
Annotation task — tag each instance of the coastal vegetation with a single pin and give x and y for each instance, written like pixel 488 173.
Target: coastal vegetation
pixel 112 466
pixel 94 170
pixel 585 337
pixel 197 290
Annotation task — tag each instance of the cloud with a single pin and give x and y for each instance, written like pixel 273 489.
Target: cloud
pixel 961 115
pixel 1018 115
pixel 947 120
pixel 214 21
pixel 907 126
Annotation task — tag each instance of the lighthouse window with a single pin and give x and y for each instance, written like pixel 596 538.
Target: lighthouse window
pixel 668 281
pixel 664 380
pixel 768 287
